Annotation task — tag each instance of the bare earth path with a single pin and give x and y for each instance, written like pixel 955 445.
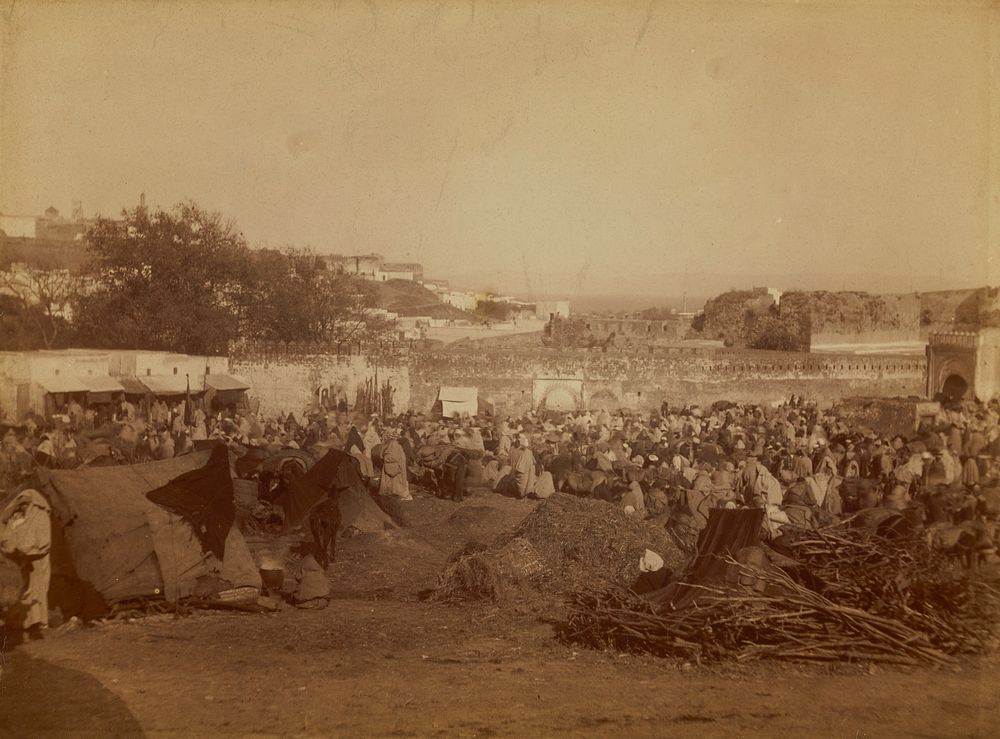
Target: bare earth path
pixel 378 662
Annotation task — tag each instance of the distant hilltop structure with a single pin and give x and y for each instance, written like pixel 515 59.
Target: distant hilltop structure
pixel 50 226
pixel 374 267
pixel 48 240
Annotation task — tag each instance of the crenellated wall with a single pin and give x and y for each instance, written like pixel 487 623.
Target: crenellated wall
pixel 517 380
pixel 677 375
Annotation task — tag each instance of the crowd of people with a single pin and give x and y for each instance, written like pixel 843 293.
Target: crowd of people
pixel 803 465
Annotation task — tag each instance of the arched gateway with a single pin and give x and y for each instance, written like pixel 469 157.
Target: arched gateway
pixel 963 364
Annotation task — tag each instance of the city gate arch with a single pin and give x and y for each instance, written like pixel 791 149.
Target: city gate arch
pixel 951 364
pixel 557 393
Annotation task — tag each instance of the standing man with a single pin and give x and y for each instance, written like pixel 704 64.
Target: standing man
pixel 393 480
pixel 523 464
pixel 26 537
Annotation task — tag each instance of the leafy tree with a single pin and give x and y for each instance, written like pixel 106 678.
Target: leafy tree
pixel 778 333
pixel 294 297
pixel 185 280
pixel 174 281
pixel 493 310
pixel 569 333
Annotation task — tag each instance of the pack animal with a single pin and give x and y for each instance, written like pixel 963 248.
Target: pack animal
pixel 451 476
pixel 324 522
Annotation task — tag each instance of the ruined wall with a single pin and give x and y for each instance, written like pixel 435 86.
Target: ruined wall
pixel 284 380
pixel 678 375
pixel 988 363
pixel 829 317
pixel 855 317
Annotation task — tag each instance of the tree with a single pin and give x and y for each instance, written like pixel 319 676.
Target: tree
pixel 493 310
pixel 37 304
pixel 186 281
pixel 294 297
pixel 776 332
pixel 567 333
pixel 175 281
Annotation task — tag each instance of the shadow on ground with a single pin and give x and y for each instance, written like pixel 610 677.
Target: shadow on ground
pixel 38 698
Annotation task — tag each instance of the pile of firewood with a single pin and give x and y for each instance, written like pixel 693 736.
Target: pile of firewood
pixel 904 579
pixel 854 597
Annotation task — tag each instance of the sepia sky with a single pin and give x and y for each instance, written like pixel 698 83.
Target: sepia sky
pixel 544 147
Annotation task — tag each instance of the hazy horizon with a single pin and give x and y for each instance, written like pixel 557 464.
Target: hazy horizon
pixel 635 149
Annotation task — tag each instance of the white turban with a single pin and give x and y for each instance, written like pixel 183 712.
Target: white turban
pixel 650 561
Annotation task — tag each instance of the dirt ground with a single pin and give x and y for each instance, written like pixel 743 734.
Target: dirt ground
pixel 379 661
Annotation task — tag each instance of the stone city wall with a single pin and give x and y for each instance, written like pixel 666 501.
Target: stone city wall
pixel 284 379
pixel 517 380
pixel 677 375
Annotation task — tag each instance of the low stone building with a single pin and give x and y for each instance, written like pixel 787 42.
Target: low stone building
pixel 44 382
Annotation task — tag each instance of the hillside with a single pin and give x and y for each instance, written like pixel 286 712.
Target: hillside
pixel 408 298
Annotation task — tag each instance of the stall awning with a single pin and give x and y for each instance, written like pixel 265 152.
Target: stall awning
pixel 101 384
pixel 131 385
pixel 169 384
pixel 225 382
pixel 63 384
pixel 458 400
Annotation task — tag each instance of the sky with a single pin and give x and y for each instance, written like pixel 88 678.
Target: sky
pixel 545 148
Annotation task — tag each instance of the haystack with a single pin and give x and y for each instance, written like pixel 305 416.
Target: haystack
pixel 565 544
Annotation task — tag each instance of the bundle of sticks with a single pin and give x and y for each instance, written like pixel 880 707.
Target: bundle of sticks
pixel 374 399
pixel 854 596
pixel 785 621
pixel 905 579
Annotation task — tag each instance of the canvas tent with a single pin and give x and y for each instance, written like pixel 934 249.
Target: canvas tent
pixel 458 400
pixel 335 472
pixel 222 390
pixel 111 542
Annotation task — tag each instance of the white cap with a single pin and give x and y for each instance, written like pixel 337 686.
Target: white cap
pixel 650 561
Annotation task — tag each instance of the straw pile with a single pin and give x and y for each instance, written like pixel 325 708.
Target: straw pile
pixel 565 544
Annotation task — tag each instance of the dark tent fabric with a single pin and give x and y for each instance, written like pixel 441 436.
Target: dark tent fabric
pixel 274 462
pixel 727 532
pixel 121 545
pixel 206 445
pixel 335 472
pixel 204 498
pixel 250 461
pixel 304 493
